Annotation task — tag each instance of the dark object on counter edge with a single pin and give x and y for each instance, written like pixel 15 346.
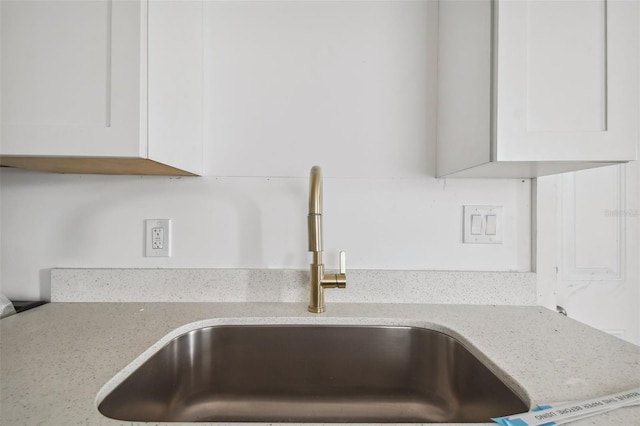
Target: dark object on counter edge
pixel 21 306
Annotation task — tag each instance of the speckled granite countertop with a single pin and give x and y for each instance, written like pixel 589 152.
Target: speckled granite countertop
pixel 56 359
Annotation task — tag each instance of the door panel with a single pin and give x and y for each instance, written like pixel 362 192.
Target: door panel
pixel 71 78
pixel 567 80
pixel 599 277
pixel 566 66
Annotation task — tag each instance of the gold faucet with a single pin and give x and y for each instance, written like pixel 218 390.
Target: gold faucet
pixel 320 280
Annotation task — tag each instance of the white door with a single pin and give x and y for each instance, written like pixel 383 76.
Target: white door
pixel 598 279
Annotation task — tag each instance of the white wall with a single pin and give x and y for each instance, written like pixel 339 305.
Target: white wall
pixel 349 86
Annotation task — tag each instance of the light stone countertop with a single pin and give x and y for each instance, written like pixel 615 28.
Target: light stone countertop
pixel 56 359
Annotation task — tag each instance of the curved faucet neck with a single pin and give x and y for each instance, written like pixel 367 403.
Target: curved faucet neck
pixel 315 191
pixel 314 219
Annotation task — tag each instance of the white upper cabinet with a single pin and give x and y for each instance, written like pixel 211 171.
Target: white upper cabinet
pixel 102 86
pixel 531 88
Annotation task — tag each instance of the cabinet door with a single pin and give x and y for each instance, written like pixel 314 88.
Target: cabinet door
pixel 567 80
pixel 71 78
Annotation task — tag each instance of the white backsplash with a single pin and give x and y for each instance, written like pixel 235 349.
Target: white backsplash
pixel 286 285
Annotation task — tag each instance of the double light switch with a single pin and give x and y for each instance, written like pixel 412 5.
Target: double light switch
pixel 482 224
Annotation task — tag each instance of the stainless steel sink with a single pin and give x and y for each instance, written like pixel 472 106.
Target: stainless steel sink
pixel 312 374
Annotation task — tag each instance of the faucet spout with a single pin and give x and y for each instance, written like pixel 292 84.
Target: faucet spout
pixel 319 280
pixel 314 219
pixel 315 190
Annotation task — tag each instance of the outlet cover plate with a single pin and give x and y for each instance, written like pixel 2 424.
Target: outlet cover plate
pixel 475 229
pixel 157 238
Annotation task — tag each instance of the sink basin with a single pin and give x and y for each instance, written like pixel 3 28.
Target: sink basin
pixel 312 374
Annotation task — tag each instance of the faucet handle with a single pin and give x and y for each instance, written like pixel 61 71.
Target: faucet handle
pixel 338 280
pixel 343 262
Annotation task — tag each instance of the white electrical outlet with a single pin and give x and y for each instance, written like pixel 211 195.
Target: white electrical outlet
pixel 158 238
pixel 482 225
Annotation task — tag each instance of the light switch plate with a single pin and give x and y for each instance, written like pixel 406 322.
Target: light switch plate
pixel 475 225
pixel 157 238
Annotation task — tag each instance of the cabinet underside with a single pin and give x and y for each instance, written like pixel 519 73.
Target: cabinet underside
pixel 93 165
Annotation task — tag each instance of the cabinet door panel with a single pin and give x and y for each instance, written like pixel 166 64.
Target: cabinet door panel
pixel 566 67
pixel 71 78
pixel 53 76
pixel 568 80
